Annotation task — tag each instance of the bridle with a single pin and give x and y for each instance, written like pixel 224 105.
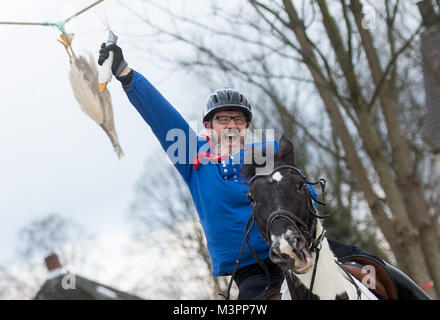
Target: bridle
pixel 314 240
pixel 293 219
pixel 280 213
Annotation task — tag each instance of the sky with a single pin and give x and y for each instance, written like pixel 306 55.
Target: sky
pixel 54 158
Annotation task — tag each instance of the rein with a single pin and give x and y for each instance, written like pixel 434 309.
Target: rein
pixel 285 214
pixel 315 241
pixel 249 226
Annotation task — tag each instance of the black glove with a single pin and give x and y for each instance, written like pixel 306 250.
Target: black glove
pixel 119 63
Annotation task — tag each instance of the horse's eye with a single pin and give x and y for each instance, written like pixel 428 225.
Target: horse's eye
pixel 250 197
pixel 300 185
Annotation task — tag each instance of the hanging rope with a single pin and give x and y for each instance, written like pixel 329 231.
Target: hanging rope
pixel 83 10
pixel 29 23
pixel 83 77
pixel 65 36
pixel 56 24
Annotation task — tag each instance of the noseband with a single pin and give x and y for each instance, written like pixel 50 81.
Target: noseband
pixel 292 218
pixel 280 214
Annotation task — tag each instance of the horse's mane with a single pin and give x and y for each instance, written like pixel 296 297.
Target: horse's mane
pixel 285 155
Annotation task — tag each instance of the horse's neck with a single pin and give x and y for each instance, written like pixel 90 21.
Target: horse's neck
pixel 329 281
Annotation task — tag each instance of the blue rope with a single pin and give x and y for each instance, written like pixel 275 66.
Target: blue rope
pixel 60 26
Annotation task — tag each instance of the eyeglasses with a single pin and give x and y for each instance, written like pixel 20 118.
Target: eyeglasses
pixel 227 119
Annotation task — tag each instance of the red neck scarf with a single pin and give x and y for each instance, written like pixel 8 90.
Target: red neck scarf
pixel 212 156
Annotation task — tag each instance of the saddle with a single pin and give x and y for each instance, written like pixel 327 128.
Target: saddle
pixel 390 282
pixel 384 287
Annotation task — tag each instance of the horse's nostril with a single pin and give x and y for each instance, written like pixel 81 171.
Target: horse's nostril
pixel 275 253
pixel 300 244
pixel 285 256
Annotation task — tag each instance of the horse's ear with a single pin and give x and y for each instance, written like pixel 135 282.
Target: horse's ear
pixel 287 152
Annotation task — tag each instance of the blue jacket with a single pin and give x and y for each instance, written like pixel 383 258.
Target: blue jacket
pixel 219 195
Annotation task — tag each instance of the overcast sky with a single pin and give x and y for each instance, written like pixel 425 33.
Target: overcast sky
pixel 53 157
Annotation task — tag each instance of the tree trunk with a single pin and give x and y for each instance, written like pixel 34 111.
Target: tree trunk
pixel 402 236
pixel 410 184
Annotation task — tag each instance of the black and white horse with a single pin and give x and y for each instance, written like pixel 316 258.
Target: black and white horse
pixel 285 214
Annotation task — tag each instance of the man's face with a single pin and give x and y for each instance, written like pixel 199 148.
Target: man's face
pixel 228 133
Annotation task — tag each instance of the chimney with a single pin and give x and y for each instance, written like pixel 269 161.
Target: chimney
pixel 52 262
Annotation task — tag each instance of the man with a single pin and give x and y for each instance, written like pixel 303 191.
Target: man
pixel 210 168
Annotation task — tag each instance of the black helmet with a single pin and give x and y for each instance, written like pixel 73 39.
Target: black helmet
pixel 223 99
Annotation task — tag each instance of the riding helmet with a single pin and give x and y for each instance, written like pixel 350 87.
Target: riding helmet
pixel 223 99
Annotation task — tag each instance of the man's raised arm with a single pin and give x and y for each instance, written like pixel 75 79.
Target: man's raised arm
pixel 167 124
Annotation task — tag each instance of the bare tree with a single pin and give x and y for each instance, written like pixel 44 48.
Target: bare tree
pixel 163 205
pixel 40 238
pixel 358 60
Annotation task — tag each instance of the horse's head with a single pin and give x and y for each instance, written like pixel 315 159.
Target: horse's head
pixel 283 208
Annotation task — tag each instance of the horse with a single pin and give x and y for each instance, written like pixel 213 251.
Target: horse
pixel 285 214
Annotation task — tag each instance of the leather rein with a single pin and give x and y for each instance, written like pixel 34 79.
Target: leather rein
pixel 289 216
pixel 314 240
pixel 280 213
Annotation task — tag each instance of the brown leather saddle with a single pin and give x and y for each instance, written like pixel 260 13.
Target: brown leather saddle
pixel 384 287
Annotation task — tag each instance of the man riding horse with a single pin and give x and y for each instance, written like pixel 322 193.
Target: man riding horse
pixel 211 170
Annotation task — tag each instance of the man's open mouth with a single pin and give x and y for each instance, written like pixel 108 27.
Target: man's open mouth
pixel 232 136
